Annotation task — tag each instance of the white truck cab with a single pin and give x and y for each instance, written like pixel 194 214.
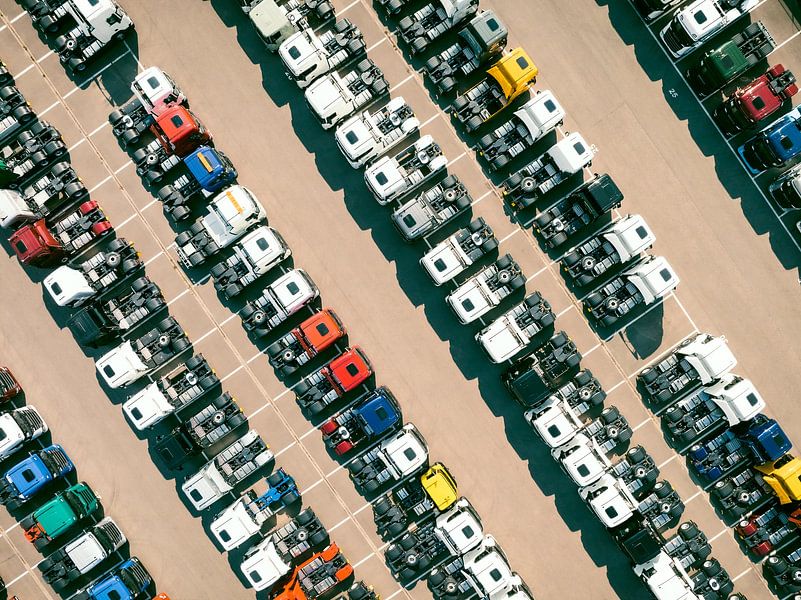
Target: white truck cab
pixel 393 176
pixel 272 24
pixel 459 529
pixel 610 499
pixel 99 19
pixel 571 154
pixel 709 356
pixel 736 397
pixel 154 88
pixel 263 249
pixel 654 278
pixel 554 420
pixel 18 426
pixel 629 236
pixel 666 578
pixel 366 136
pixel 121 366
pixel 698 21
pixel 68 286
pixel 582 459
pixel 404 453
pixel 540 115
pixel 487 569
pixel 264 566
pixel 147 407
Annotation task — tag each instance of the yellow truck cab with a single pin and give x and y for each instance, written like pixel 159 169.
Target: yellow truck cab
pixel 783 475
pixel 440 486
pixel 511 76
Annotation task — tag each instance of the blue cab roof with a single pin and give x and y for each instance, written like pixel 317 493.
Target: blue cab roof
pixel 206 167
pixel 771 440
pixel 785 138
pixel 379 413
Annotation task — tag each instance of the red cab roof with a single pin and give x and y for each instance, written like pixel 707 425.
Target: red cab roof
pixel 34 243
pixel 322 329
pixel 176 124
pixel 351 368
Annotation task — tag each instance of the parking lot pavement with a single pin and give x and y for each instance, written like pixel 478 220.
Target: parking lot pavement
pixel 347 244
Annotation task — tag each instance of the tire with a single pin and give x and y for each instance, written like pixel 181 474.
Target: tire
pixel 291 498
pixel 274 479
pixel 407 542
pixel 75 191
pixel 776 565
pixel 723 489
pixel 318 539
pixel 711 568
pixel 636 455
pixel 557 240
pixel 473 123
pixel 233 289
pixel 648 375
pixel 610 415
pixel 674 415
pixel 207 382
pixel 663 489
pixel 27 522
pixel 180 345
pixel 153 304
pixel 418 45
pixel 193 363
pixel 130 137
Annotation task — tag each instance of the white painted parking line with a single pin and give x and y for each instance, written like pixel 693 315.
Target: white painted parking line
pixel 282 450
pixel 694 496
pixel 154 257
pixel 669 460
pixel 717 535
pixel 565 310
pixel 377 44
pixel 132 53
pixel 462 155
pixel 348 7
pixel 506 237
pixel 430 119
pixel 340 524
pixel 400 83
pixel 126 221
pixel 232 373
pixel 614 387
pixel 395 593
pixel 11 528
pixel 545 268
pixel 33 64
pixel 643 424
pixel 16 579
pixel 684 310
pixel 733 578
pixel 481 197
pixel 205 335
pixel 228 319
pixel 18 17
pixel 371 555
pixel 593 349
pixel 181 295
pixel 787 41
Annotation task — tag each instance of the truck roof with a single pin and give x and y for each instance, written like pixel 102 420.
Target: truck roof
pixel 653 277
pixel 28 474
pixel 406 450
pixel 321 328
pixel 488 567
pixel 483 31
pixel 230 213
pixel 146 407
pixel 85 552
pixel 613 503
pixel 572 153
pixel 176 123
pixel 268 18
pixel 460 528
pixel 440 485
pixel 119 364
pixel 785 138
pixel 235 524
pixel 664 582
pixel 58 514
pixel 629 236
pixel 66 284
pixel 263 566
pixel 736 397
pixel 556 423
pixel 293 289
pixel 32 241
pixel 350 367
pixel 380 412
pixel 297 49
pixel 502 338
pixel 204 164
pixel 541 113
pixel 700 17
pixel 152 87
pixel 513 71
pixel 709 356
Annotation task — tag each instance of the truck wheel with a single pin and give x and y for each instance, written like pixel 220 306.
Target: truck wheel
pixel 318 539
pixel 291 498
pixel 76 64
pixel 663 489
pixel 233 289
pixel 315 408
pixel 180 345
pixel 153 177
pixel 419 45
pixel 196 258
pixel 776 565
pixel 674 415
pixel 194 362
pixel 450 588
pixel 130 137
pixel 115 117
pixel 517 282
pixel 473 123
pixel 370 486
pixel 59 585
pixel 153 304
pixel 357 466
pixel 130 265
pixel 75 191
pixel 489 245
pixel 500 161
pixel 557 240
pixel 648 375
pixel 207 382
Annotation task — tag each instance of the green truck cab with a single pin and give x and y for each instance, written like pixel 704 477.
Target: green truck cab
pixel 731 59
pixel 56 516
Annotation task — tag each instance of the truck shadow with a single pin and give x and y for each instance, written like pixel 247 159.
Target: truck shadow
pixel 732 176
pixel 421 292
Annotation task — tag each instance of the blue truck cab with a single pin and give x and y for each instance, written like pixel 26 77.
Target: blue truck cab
pixel 766 440
pixel 206 171
pixel 22 481
pixel 775 145
pixel 372 416
pixel 128 580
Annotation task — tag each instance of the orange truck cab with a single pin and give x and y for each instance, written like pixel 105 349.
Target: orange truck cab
pixel 316 576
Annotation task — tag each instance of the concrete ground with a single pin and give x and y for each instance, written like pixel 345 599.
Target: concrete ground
pixel 652 135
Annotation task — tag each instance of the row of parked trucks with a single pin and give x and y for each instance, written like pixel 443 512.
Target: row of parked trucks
pixel 340 84
pixel 62 518
pixel 735 452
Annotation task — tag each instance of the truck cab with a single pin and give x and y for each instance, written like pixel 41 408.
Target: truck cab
pixel 513 331
pixel 731 59
pixel 127 581
pixel 29 476
pixel 373 416
pixel 459 251
pixel 231 213
pixel 392 177
pixel 486 289
pixel 693 24
pixel 17 426
pixel 511 76
pixel 483 38
pixel 303 343
pixel 394 459
pixel 784 477
pixel 775 145
pixel 271 23
pixel 57 516
pixel 97 23
pixel 754 102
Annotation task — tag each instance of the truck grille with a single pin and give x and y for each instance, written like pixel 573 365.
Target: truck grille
pixel 136 576
pixel 28 420
pixel 6 382
pixel 110 534
pixel 56 460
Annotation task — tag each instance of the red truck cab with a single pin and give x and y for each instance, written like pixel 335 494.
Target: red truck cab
pixel 179 131
pixel 35 245
pixel 319 331
pixel 9 386
pixel 756 101
pixel 349 370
